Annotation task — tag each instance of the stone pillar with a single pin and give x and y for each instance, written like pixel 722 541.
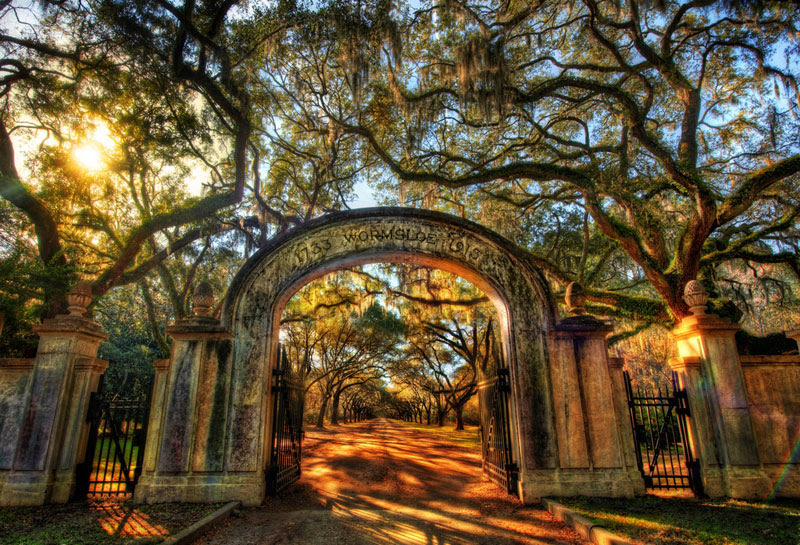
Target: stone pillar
pixel 15 376
pixel 721 428
pixel 156 413
pixel 189 419
pixel 700 424
pixel 616 369
pixel 595 454
pixel 51 437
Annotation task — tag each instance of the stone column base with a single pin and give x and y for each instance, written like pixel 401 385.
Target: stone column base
pixel 615 482
pixel 786 479
pixel 63 487
pixel 22 488
pixel 248 488
pixel 746 483
pixel 713 483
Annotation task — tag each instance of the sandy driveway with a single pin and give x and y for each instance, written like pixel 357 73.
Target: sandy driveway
pixel 378 483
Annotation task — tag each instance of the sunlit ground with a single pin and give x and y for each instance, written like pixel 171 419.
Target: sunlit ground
pixel 382 482
pixel 125 519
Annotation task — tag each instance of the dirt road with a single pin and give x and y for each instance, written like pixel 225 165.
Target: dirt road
pixel 377 483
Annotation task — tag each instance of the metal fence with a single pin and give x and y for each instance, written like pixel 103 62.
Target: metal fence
pixel 287 427
pixel 115 449
pixel 663 450
pixel 496 452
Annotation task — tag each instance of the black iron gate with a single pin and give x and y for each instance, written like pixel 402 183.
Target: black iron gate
pixel 663 450
pixel 496 451
pixel 287 428
pixel 115 449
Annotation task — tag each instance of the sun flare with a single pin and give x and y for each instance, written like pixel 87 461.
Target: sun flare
pixel 88 157
pixel 90 154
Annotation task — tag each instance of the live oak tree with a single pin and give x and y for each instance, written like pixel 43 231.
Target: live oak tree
pixel 181 92
pixel 628 146
pixel 457 357
pixel 450 340
pixel 341 336
pixel 162 81
pixel 360 402
pixel 672 128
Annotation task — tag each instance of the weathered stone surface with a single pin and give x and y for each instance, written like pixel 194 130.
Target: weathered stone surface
pixel 598 399
pixel 773 391
pixel 178 423
pixel 219 389
pixel 568 404
pixel 721 426
pixel 157 403
pixel 50 435
pixel 592 423
pixel 212 406
pixel 15 376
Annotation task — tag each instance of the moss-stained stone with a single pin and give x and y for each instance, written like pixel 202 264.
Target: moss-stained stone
pixel 772 384
pixel 48 439
pixel 179 421
pixel 15 375
pixel 217 392
pixel 231 418
pixel 721 427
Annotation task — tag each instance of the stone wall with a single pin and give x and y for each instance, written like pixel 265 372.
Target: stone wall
pixel 212 404
pixel 43 437
pixel 593 429
pixel 15 375
pixel 772 384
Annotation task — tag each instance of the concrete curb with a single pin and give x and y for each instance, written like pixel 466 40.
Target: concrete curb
pixel 188 535
pixel 586 528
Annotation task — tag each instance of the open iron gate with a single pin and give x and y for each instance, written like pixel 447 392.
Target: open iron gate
pixel 496 449
pixel 663 450
pixel 115 447
pixel 287 427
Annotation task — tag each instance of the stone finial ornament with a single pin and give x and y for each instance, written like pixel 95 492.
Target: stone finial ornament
pixel 202 299
pixel 696 297
pixel 79 297
pixel 575 299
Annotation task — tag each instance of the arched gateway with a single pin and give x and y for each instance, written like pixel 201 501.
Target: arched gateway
pixel 213 402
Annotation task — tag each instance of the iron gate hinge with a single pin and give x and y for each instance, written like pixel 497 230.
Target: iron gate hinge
pixel 504 380
pixel 277 384
pixel 95 403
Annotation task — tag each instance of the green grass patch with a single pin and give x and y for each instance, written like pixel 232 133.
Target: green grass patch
pixel 469 437
pixel 688 521
pixel 97 523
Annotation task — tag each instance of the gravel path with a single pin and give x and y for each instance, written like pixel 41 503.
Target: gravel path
pixel 379 483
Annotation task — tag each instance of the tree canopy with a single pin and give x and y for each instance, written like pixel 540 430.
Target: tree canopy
pixel 628 146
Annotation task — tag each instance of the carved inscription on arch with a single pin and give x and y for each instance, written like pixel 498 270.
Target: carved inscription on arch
pixel 429 238
pixel 400 235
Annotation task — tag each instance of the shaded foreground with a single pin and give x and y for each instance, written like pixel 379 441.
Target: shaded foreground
pixel 381 482
pixel 109 522
pixel 688 521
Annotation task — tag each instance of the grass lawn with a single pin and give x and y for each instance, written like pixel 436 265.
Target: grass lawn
pixel 97 523
pixel 688 521
pixel 468 437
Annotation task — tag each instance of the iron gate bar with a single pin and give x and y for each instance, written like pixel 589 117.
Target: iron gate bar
pixel 498 462
pixel 287 428
pixel 655 415
pixel 120 428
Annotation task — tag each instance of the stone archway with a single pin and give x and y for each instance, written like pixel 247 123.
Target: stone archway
pixel 211 403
